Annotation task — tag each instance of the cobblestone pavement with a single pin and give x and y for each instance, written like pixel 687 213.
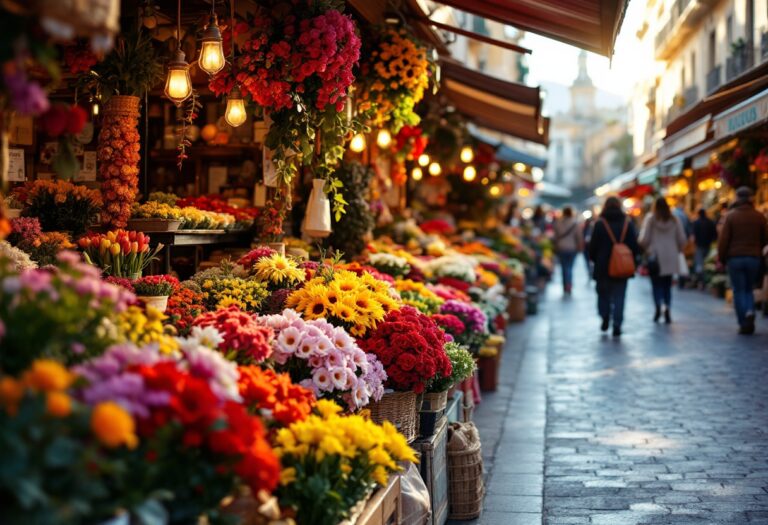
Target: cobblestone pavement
pixel 669 424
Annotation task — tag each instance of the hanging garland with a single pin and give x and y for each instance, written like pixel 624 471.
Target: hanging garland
pixel 394 77
pixel 295 59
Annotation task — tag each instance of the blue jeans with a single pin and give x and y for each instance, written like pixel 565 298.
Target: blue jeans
pixel 743 272
pixel 566 265
pixel 662 290
pixel 698 260
pixel 610 299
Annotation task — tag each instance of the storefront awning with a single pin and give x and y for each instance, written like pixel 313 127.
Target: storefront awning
pixel 547 189
pixel 506 107
pixel 751 112
pixel 506 153
pixel 672 167
pixel 686 138
pixel 588 24
pixel 648 175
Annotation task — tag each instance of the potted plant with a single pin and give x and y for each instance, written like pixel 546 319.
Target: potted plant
pixel 154 290
pixel 119 253
pixel 59 205
pixel 436 397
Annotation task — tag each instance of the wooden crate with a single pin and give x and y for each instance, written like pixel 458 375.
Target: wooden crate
pixel 385 505
pixel 453 410
pixel 434 471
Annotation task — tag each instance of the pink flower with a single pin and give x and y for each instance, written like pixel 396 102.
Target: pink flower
pixel 322 378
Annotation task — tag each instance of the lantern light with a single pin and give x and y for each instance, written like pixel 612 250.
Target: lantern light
pixel 416 173
pixel 178 86
pixel 423 160
pixel 467 155
pixel 357 144
pixel 435 169
pixel 212 49
pixel 384 138
pixel 470 173
pixel 235 113
pixel 95 109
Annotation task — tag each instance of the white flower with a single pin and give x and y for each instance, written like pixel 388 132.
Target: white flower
pixel 322 379
pixel 289 339
pixel 339 377
pixel 205 336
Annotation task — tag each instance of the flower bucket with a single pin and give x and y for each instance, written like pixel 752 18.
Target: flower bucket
pixel 399 408
pixel 158 302
pixel 516 307
pixel 488 368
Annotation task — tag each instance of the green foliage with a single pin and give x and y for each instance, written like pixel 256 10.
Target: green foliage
pixel 132 68
pixel 463 365
pixel 349 232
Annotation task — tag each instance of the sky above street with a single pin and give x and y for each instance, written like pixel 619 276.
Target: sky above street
pixel 553 61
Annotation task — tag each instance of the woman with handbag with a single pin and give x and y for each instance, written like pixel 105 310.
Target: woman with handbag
pixel 663 238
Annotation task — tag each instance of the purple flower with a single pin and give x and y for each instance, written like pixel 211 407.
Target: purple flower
pixel 27 97
pixel 473 318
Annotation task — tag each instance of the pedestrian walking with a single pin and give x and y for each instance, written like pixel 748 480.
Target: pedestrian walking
pixel 611 231
pixel 568 244
pixel 704 235
pixel 740 248
pixel 663 238
pixel 586 234
pixel 682 216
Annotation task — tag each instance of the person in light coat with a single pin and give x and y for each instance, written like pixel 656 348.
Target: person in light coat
pixel 568 243
pixel 663 238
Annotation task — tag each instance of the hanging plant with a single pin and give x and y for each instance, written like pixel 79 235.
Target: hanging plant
pixel 295 59
pixel 190 109
pixel 394 77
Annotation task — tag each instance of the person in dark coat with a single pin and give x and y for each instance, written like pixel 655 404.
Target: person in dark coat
pixel 610 292
pixel 704 235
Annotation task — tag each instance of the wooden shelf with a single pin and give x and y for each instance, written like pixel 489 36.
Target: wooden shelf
pixel 203 151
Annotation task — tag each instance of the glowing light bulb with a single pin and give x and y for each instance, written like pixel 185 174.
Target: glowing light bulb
pixel 357 144
pixel 235 113
pixel 470 173
pixel 423 160
pixel 212 50
pixel 178 86
pixel 495 190
pixel 467 155
pixel 384 138
pixel 95 109
pixel 519 166
pixel 435 169
pixel 416 173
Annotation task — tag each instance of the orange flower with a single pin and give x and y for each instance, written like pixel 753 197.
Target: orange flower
pixel 58 404
pixel 48 376
pixel 113 426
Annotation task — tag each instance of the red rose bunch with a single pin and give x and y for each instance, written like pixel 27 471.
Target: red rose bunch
pixel 184 305
pixel 410 346
pixel 61 119
pixel 264 390
pixel 118 160
pixel 224 429
pixel 247 340
pixel 451 324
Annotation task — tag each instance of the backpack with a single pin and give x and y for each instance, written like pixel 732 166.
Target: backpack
pixel 622 262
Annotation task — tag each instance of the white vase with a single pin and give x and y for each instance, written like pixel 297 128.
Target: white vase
pixel 317 221
pixel 159 302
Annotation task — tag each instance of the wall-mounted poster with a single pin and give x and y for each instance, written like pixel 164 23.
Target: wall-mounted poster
pixel 16 167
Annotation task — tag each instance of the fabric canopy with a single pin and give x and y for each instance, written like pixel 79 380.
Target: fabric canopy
pixel 506 153
pixel 588 24
pixel 506 107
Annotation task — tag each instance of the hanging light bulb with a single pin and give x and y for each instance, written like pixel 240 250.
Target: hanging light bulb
pixel 467 154
pixel 416 173
pixel 470 173
pixel 178 85
pixel 384 138
pixel 435 169
pixel 212 49
pixel 235 113
pixel 357 144
pixel 95 109
pixel 423 159
pixel 495 190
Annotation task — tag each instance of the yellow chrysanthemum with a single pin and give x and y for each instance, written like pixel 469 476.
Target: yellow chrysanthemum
pixel 278 270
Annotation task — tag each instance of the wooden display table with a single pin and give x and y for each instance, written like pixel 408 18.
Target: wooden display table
pixel 195 238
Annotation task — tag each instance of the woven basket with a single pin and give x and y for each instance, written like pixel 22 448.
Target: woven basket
pixel 465 472
pixel 123 106
pixel 434 402
pixel 399 408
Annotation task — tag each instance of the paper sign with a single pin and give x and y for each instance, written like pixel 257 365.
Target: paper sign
pixel 88 169
pixel 16 167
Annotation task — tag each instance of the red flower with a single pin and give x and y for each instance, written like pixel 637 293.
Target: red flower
pixel 242 333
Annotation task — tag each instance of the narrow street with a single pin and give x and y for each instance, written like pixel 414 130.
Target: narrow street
pixel 666 425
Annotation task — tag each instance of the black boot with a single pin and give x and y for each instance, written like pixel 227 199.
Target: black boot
pixel 667 316
pixel 604 326
pixel 657 315
pixel 616 331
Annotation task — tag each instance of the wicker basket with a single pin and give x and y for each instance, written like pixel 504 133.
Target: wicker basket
pixel 465 472
pixel 399 408
pixel 434 402
pixel 123 106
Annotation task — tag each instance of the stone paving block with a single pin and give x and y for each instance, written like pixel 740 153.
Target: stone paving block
pixel 498 503
pixel 509 518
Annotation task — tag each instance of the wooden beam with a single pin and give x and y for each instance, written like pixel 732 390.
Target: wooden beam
pixel 476 36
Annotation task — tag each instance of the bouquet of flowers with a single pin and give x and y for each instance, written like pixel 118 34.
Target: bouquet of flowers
pixel 44 249
pixel 278 271
pixel 184 305
pixel 245 294
pixel 411 347
pixel 59 314
pixel 459 267
pixel 14 259
pixel 60 205
pixel 331 461
pixel 326 360
pixel 389 264
pixel 358 303
pixel 119 253
pixel 63 123
pixel 395 77
pixel 243 337
pixel 155 285
pixel 68 454
pixel 274 396
pixel 474 320
pixel 156 210
pixel 417 294
pixel 462 367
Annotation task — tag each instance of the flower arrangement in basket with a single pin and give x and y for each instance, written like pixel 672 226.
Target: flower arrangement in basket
pixel 326 360
pixel 395 75
pixel 297 64
pixel 119 253
pixel 331 462
pixel 154 290
pixel 60 205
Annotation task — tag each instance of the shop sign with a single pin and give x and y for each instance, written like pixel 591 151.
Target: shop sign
pixel 748 113
pixel 692 135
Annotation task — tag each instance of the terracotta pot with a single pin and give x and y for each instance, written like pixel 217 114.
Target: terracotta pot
pixel 488 368
pixel 159 302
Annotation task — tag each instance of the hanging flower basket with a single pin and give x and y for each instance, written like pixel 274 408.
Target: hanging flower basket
pixel 399 408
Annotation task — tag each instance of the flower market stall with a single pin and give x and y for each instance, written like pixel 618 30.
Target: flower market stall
pixel 225 294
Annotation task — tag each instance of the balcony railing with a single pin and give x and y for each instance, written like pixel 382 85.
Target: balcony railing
pixel 714 78
pixel 676 10
pixel 741 60
pixel 690 97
